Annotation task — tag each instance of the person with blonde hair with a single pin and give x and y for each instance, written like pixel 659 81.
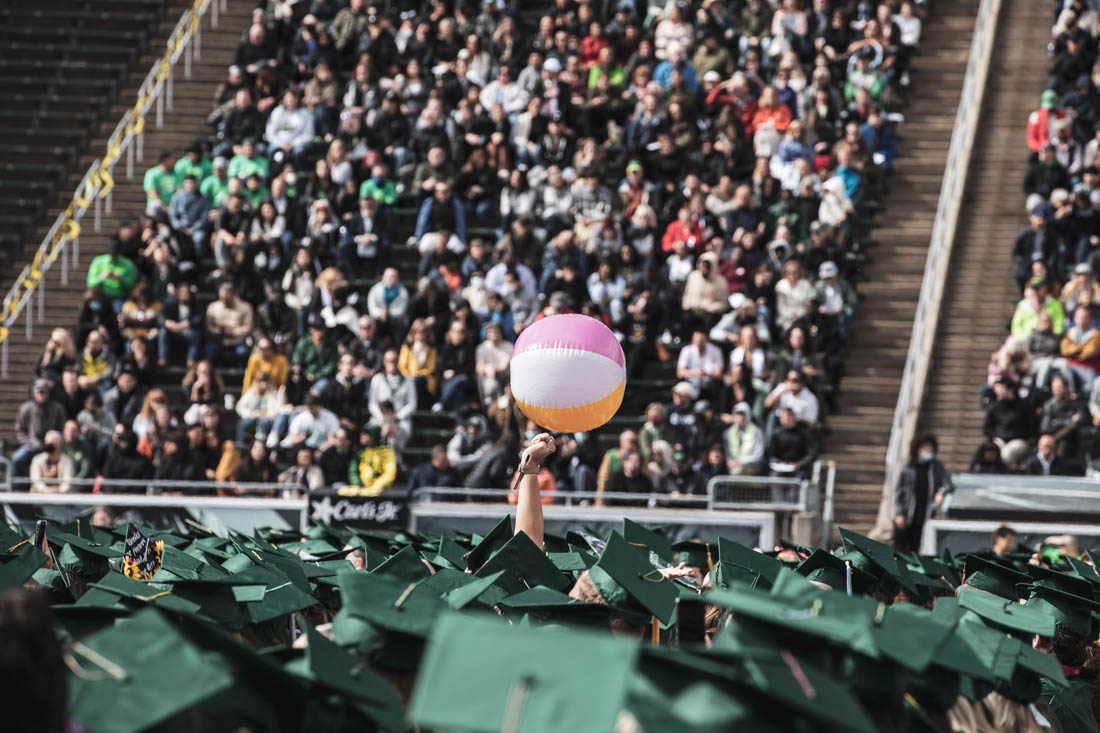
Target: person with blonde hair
pixel 417 361
pixel 58 353
pixel 146 417
pixel 51 470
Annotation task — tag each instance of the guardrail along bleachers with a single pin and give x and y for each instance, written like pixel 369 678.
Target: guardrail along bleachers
pixel 63 64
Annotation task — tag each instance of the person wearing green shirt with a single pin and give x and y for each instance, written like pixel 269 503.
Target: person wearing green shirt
pixel 159 185
pixel 254 190
pixel 193 164
pixel 317 355
pixel 248 162
pixel 113 273
pixel 1036 300
pixel 378 188
pixel 76 448
pixel 215 187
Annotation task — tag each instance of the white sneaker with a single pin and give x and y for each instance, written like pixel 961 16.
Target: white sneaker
pixel 904 78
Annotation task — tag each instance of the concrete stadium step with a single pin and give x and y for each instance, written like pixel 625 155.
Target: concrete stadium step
pixel 857 441
pixel 980 290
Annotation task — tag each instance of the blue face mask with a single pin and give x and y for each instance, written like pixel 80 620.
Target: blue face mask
pixel 927 456
pixel 95 305
pixel 378 180
pixel 530 434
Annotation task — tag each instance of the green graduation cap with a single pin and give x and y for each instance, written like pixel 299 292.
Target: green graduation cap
pixel 390 603
pixel 696 554
pixel 549 604
pixel 765 566
pixel 625 576
pixel 1072 613
pixel 479 674
pixel 525 566
pixel 139 674
pixel 490 543
pixel 483 589
pixel 405 564
pixel 825 567
pixel 724 574
pixel 20 565
pixel 1070 582
pixel 655 542
pixel 1012 617
pixel 881 556
pixel 992 577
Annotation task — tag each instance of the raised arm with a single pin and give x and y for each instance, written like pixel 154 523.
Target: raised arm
pixel 529 503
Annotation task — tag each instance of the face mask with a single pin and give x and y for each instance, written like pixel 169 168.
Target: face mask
pixel 378 180
pixel 530 434
pixel 95 305
pixel 927 456
pixel 291 179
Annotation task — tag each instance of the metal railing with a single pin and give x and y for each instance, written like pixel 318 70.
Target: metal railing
pixel 94 190
pixel 925 321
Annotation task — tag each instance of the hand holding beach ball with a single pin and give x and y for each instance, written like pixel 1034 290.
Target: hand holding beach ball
pixel 568 373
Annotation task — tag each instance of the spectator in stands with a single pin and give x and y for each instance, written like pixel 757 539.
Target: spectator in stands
pixel 792 393
pixel 683 479
pixel 457 365
pixel 52 471
pixel 304 476
pixel 1045 461
pixel 335 460
pixel 312 427
pixel 390 385
pixel 1008 423
pixel 794 294
pixel 418 361
pixel 124 462
pixel 387 303
pixel 683 415
pixel 1036 299
pixel 228 326
pixel 190 213
pixel 255 467
pixel 140 315
pixel 123 401
pixel 744 443
pixel 629 478
pixel 701 363
pixel 365 239
pixel 836 298
pixel 436 471
pixel 160 184
pixel 374 468
pixel 181 328
pixel 317 355
pixel 289 132
pixel 492 358
pixel 1081 348
pixel 1063 416
pixel 1041 355
pixel 923 484
pixel 791 449
pixel 987 459
pixel 113 274
pixel 58 355
pixel 1046 175
pixel 258 407
pixel 231 225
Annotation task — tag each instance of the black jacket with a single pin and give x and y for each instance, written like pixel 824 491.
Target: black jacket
pixel 1033 467
pixel 793 445
pixel 1007 420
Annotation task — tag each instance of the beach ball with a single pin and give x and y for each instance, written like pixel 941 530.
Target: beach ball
pixel 568 373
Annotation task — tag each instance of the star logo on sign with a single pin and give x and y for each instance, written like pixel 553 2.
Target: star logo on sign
pixel 323 510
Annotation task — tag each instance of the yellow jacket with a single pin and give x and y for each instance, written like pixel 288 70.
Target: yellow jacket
pixel 407 365
pixel 276 366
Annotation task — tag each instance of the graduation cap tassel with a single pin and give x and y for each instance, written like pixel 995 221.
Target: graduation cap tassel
pixel 656 633
pixel 848 576
pixel 517 700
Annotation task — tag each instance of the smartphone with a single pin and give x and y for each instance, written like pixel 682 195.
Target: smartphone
pixel 690 622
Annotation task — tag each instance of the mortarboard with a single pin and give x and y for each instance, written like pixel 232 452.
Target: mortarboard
pixel 655 542
pixel 824 567
pixel 549 604
pixel 139 674
pixel 479 674
pixel 525 566
pixel 765 566
pixel 404 564
pixel 490 543
pixel 1072 614
pixel 625 576
pixel 882 557
pixel 696 554
pixel 992 577
pixel 1005 614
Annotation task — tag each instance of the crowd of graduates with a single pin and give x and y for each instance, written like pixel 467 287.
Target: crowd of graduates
pixel 342 629
pixel 390 193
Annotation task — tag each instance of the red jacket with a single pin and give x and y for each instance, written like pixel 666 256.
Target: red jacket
pixel 746 107
pixel 1039 124
pixel 677 232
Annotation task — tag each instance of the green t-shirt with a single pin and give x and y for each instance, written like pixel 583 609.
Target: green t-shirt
pixel 162 183
pixel 184 167
pixel 214 190
pixel 255 197
pixel 116 279
pixel 242 167
pixel 386 193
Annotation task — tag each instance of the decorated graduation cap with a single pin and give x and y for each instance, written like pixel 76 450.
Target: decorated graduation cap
pixel 625 576
pixel 992 577
pixel 1072 614
pixel 480 674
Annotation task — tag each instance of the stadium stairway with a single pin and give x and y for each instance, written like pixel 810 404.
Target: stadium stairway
pixel 860 430
pixel 193 99
pixel 981 291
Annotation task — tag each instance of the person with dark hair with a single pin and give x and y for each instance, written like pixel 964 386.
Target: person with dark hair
pixel 1045 461
pixel 922 485
pixel 124 462
pixel 32 672
pixel 987 459
pixel 436 471
pixel 1004 540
